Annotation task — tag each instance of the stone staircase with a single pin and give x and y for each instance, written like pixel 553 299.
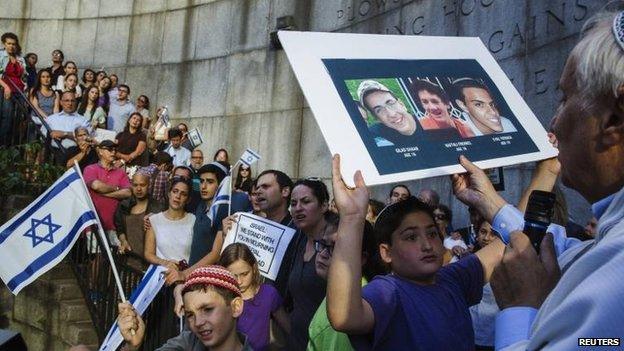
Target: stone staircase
pixel 50 313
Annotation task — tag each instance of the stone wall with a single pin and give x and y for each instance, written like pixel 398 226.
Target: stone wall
pixel 210 61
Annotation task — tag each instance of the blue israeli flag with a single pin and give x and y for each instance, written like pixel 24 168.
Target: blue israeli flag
pixel 41 235
pixel 141 298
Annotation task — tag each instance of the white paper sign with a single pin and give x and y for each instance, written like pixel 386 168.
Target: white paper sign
pixel 267 240
pixel 405 107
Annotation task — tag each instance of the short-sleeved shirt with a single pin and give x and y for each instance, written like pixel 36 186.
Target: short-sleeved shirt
pixel 158 181
pixel 118 115
pixel 128 142
pixel 181 156
pixel 409 316
pixel 105 206
pixel 254 322
pixel 65 122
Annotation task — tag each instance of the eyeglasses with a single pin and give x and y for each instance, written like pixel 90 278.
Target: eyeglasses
pixel 197 157
pixel 314 179
pixel 319 246
pixel 441 217
pixel 108 149
pixel 382 110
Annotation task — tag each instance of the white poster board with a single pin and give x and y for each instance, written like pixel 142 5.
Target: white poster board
pixel 405 107
pixel 266 239
pixel 104 134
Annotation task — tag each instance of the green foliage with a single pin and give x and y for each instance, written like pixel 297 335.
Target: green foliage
pixel 21 174
pixel 391 83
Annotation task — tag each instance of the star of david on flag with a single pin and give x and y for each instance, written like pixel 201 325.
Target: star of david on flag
pixel 35 223
pixel 41 235
pixel 249 157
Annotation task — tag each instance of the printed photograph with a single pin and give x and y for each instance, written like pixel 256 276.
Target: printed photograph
pixel 422 114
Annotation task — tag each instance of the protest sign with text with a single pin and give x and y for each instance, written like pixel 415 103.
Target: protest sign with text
pixel 400 108
pixel 267 240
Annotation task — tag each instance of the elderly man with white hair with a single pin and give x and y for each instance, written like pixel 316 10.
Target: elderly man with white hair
pixel 550 302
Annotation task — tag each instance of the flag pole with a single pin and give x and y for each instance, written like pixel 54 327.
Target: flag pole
pixel 102 236
pixel 230 189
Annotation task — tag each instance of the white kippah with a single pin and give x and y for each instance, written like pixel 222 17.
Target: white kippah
pixel 618 29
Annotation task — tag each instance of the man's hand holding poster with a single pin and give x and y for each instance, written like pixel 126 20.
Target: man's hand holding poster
pixel 406 107
pixel 267 240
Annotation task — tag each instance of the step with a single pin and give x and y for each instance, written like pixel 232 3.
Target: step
pixel 65 289
pixel 61 271
pixel 76 333
pixel 74 311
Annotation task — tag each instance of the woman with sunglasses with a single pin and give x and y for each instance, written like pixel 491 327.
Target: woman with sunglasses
pixel 309 208
pixel 243 179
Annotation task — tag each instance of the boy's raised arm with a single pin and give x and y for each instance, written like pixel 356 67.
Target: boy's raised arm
pixel 346 309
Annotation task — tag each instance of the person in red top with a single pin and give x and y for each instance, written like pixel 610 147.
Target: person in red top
pixel 108 185
pixel 437 105
pixel 13 73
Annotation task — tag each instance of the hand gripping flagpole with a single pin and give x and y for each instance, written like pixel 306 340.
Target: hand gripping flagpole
pixel 102 236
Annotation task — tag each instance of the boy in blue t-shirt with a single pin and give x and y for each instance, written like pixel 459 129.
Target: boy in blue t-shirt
pixel 420 305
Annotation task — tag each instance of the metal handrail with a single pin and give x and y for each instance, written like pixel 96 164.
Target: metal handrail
pixel 94 275
pixel 35 113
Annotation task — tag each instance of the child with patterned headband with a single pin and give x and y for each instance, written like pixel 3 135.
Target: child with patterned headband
pixel 212 304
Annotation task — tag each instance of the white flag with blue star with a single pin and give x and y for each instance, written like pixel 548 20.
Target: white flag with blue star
pixel 249 157
pixel 40 236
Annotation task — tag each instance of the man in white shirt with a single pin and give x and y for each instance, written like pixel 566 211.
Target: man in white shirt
pixel 121 110
pixel 181 155
pixel 63 124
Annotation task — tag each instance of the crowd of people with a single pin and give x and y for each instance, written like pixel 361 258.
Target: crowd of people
pixel 359 273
